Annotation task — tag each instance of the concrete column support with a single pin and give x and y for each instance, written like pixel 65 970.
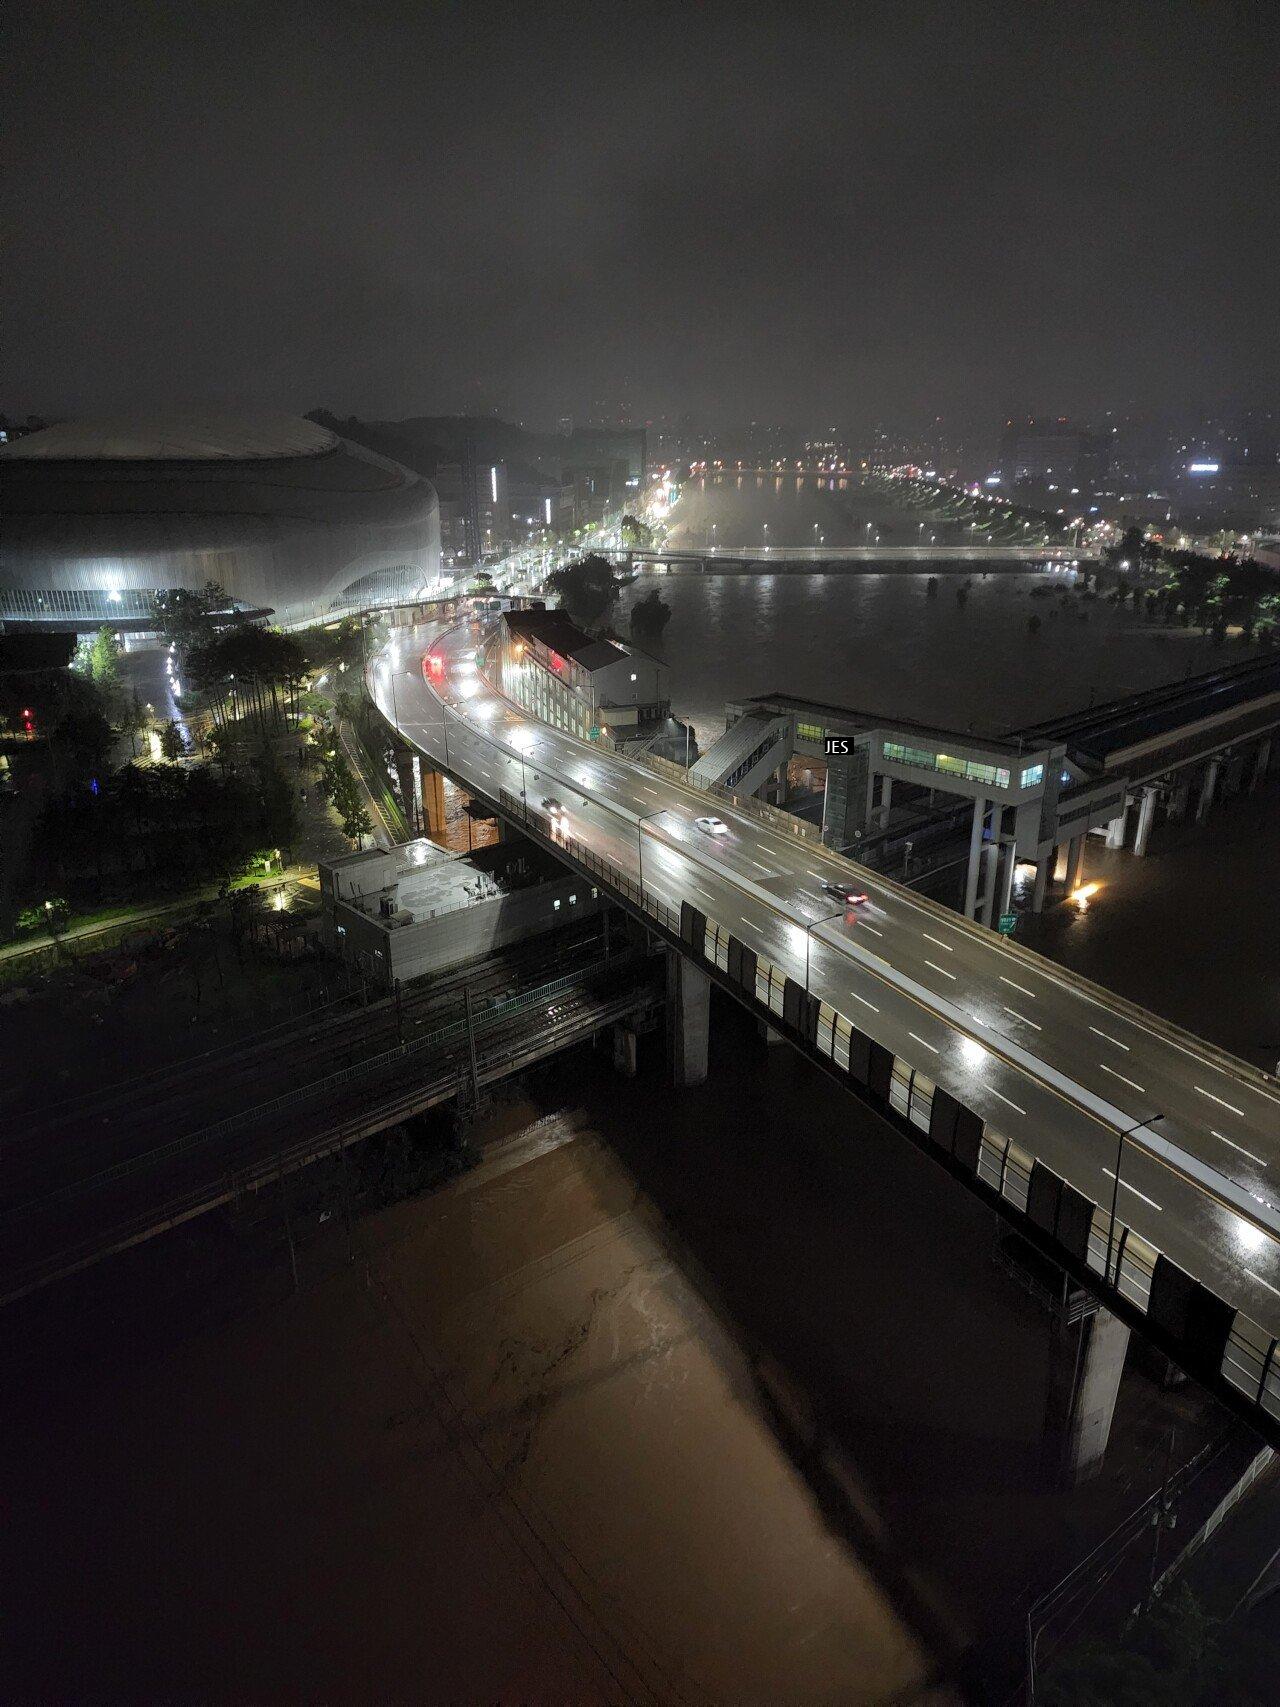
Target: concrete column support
pixel 625 1050
pixel 1261 759
pixel 1044 870
pixel 404 777
pixel 688 1020
pixel 1146 817
pixel 1010 870
pixel 1118 825
pixel 1207 787
pixel 975 857
pixel 1087 1361
pixel 1075 855
pixel 431 794
pixel 991 862
pixel 769 1034
pixel 886 800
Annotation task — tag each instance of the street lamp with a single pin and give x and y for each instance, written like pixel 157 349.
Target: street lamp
pixel 1126 1132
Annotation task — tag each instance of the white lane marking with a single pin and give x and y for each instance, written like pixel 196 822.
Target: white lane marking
pixel 1004 1098
pixel 926 1043
pixel 864 1001
pixel 1023 1018
pixel 1109 1039
pixel 1121 1077
pixel 939 942
pixel 747 922
pixel 758 865
pixel 1240 1147
pixel 866 927
pixel 817 874
pixel 652 791
pixel 1135 1191
pixel 1262 1282
pixel 1013 986
pixel 943 970
pixel 1219 1101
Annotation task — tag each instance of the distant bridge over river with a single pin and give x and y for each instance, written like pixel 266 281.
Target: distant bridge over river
pixel 833 558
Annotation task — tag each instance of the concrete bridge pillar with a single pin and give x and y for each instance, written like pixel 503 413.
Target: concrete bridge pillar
pixel 626 1046
pixel 990 883
pixel 431 797
pixel 1146 817
pixel 688 1020
pixel 886 800
pixel 1118 825
pixel 403 757
pixel 1044 871
pixel 1261 759
pixel 1086 1363
pixel 975 857
pixel 1207 788
pixel 1075 857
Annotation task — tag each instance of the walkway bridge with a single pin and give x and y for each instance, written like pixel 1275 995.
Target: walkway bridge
pixel 746 756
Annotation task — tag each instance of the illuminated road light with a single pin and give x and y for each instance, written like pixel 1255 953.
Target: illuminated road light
pixel 974 1054
pixel 1084 894
pixel 1248 1237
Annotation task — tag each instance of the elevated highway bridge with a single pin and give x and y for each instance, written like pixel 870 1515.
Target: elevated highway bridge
pixel 1142 1159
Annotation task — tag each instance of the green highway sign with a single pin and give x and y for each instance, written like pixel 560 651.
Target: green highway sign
pixel 1008 922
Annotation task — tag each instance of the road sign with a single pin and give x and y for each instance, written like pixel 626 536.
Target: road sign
pixel 1008 922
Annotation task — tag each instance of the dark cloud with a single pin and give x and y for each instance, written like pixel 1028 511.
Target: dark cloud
pixel 860 212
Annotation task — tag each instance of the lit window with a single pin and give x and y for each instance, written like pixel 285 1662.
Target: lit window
pixel 1033 775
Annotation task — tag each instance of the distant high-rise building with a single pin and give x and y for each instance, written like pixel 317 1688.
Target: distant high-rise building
pixel 1046 452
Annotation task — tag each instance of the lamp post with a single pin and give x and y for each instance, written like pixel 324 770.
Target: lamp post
pixel 1125 1132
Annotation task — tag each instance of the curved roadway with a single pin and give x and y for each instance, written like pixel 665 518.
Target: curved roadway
pixel 1055 1064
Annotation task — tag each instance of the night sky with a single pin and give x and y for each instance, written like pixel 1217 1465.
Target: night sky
pixel 815 215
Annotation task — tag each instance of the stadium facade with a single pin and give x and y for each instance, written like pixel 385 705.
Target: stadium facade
pixel 287 517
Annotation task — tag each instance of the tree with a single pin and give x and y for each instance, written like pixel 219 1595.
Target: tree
pixel 173 743
pixel 1174 1657
pixel 186 616
pixel 104 659
pixel 132 720
pixel 650 615
pixel 586 588
pixel 635 533
pixel 357 824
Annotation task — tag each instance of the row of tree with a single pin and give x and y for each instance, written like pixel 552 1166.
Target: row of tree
pixel 1192 587
pixel 338 784
pixel 588 589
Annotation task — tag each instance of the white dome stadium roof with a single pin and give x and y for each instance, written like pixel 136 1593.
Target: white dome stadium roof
pixel 190 435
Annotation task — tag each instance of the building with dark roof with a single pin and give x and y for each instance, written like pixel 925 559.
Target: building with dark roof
pixel 580 683
pixel 285 515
